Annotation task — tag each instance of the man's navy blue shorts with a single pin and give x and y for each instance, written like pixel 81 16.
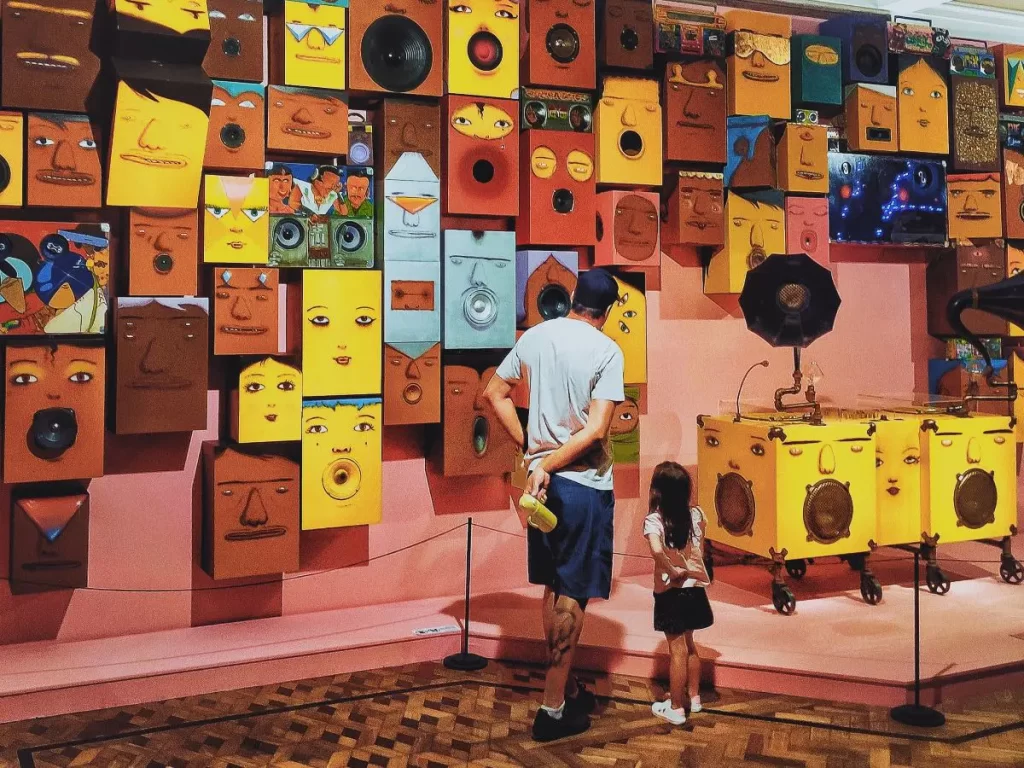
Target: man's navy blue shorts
pixel 575 559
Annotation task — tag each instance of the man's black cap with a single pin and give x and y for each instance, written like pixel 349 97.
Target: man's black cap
pixel 596 289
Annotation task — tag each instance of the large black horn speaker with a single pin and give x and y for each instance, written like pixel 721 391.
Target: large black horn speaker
pixel 1004 299
pixel 396 53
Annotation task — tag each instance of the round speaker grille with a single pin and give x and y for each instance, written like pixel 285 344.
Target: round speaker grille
pixel 163 263
pixel 481 433
pixel 52 432
pixel 485 51
pixel 396 53
pixel 563 43
pixel 869 60
pixel 480 307
pixel 562 201
pixel 734 504
pixel 975 498
pixel 350 236
pixel 288 233
pixel 553 302
pixel 359 153
pixel 793 297
pixel 232 135
pixel 828 511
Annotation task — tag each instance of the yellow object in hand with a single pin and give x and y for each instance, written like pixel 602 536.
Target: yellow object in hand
pixel 540 517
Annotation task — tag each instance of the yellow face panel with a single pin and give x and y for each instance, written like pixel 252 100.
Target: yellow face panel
pixel 314 45
pixel 341 463
pixel 491 123
pixel 236 225
pixel 269 403
pixel 755 228
pixel 156 151
pixel 922 103
pixel 975 206
pixel 180 16
pixel 483 48
pixel 341 332
pixel 12 149
pixel 898 469
pixel 627 325
pixel 628 126
pixel 759 75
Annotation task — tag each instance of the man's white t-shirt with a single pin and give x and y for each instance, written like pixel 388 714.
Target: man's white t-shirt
pixel 566 364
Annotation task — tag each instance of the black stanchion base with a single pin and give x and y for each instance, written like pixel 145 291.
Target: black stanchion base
pixel 465 662
pixel 918 716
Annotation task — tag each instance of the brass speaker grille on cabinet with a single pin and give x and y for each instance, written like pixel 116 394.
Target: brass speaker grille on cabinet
pixel 734 504
pixel 828 511
pixel 974 498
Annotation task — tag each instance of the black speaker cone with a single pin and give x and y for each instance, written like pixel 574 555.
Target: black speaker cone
pixel 481 433
pixel 562 201
pixel 53 431
pixel 288 233
pixel 163 263
pixel 232 135
pixel 879 134
pixel 629 39
pixel 483 171
pixel 484 51
pixel 396 53
pixel 553 301
pixel 5 174
pixel 350 236
pixel 869 60
pixel 232 47
pixel 631 144
pixel 563 43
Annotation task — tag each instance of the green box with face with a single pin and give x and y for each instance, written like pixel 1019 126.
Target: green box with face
pixel 817 70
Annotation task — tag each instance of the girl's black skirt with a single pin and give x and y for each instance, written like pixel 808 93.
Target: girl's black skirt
pixel 681 610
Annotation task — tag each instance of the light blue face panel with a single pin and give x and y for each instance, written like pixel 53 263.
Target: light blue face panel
pixel 410 226
pixel 412 301
pixel 479 290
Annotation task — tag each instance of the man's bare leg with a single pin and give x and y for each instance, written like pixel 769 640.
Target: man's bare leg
pixel 548 611
pixel 563 622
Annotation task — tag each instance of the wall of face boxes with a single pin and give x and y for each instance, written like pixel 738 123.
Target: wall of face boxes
pixel 353 240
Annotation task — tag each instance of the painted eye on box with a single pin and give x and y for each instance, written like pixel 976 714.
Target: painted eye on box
pixel 316 429
pixel 911 460
pixel 878 462
pixel 946 443
pixel 254 387
pixel 711 441
pixel 81 377
pixel 757 449
pixel 796 452
pixel 856 448
pixel 24 378
pixel 286 386
pixel 363 426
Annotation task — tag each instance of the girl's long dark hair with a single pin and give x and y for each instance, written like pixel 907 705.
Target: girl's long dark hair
pixel 670 495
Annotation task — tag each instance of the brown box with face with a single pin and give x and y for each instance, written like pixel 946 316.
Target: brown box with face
pixel 557 188
pixel 975 123
pixel 307 120
pixel 396 46
pixel 251 514
pixel 481 157
pixel 803 159
pixel 560 52
pixel 1013 192
pixel 474 443
pixel 627 229
pixel 47 56
pixel 53 419
pixel 245 311
pixel 975 206
pixel 409 126
pixel 627 35
pixel 695 212
pixel 236 40
pixel 412 383
pixel 695 111
pixel 49 543
pixel 971 265
pixel 163 251
pixel 238 132
pixel 62 161
pixel 163 364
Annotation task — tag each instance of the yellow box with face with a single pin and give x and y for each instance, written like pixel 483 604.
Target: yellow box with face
pixel 12 151
pixel 266 407
pixel 314 45
pixel 758 81
pixel 898 466
pixel 342 463
pixel 974 206
pixel 628 127
pixel 755 228
pixel 803 159
pixel 922 106
pixel 787 484
pixel 342 343
pixel 236 228
pixel 627 325
pixel 482 48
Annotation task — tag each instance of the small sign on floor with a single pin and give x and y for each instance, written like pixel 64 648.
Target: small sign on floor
pixel 445 630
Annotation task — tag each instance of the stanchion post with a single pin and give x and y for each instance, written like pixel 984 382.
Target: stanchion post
pixel 466 661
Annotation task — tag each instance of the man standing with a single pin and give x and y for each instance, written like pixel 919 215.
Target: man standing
pixel 574 376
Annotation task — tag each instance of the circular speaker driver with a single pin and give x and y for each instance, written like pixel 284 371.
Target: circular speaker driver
pixel 562 201
pixel 629 39
pixel 869 60
pixel 734 504
pixel 975 498
pixel 828 511
pixel 351 236
pixel 484 51
pixel 232 135
pixel 341 479
pixel 793 298
pixel 480 307
pixel 553 302
pixel 52 432
pixel 412 394
pixel 232 47
pixel 483 171
pixel 563 43
pixel 359 153
pixel 163 263
pixel 481 433
pixel 288 234
pixel 396 53
pixel 5 174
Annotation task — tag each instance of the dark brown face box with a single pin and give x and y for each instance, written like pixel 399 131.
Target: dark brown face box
pixel 971 265
pixel 627 35
pixel 49 543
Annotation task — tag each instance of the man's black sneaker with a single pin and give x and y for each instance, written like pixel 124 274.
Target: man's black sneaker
pixel 584 701
pixel 547 728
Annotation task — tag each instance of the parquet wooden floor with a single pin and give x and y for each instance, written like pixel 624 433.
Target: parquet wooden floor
pixel 425 715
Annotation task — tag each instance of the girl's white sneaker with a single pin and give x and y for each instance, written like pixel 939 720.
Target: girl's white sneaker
pixel 695 705
pixel 663 709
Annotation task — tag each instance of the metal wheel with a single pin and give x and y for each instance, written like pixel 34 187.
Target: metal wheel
pixel 783 599
pixel 871 590
pixel 796 568
pixel 937 582
pixel 1011 570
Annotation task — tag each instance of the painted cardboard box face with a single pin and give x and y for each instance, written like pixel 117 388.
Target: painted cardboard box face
pixel 975 123
pixel 751 162
pixel 474 442
pixel 971 265
pixel 245 311
pixel 62 161
pixel 922 103
pixel 54 413
pixel 1013 192
pixel 341 333
pixel 807 227
pixel 158 135
pixel 342 463
pixel 412 301
pixel 817 75
pixel 696 210
pixel 975 206
pixel 803 159
pixel 627 229
pixel 479 290
pixel 759 74
pixel 235 222
pixel 380 30
pixel 865 56
pixel 628 128
pixel 412 383
pixel 53 278
pixel 236 44
pixel 411 222
pixel 482 157
pixel 561 50
pixel 1011 73
pixel 627 35
pixel 411 127
pixel 177 32
pixel 627 325
pixel 755 229
pixel 307 120
pixel 47 60
pixel 321 215
pixel 163 251
pixel 871 118
pixel 237 127
pixel 545 281
pixel 625 431
pixel 252 513
pixel 695 106
pixel 558 189
pixel 49 543
pixel 314 45
pixel 266 407
pixel 12 159
pixel 483 48
pixel 162 364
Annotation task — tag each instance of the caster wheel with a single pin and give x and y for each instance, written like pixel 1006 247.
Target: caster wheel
pixel 783 599
pixel 796 568
pixel 937 582
pixel 1012 571
pixel 871 590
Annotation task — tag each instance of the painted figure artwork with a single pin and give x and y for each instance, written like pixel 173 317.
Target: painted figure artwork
pixel 628 126
pixel 251 516
pixel 871 124
pixel 409 126
pixel 321 215
pixel 483 48
pixel 479 290
pixel 628 229
pixel 807 227
pixel 314 45
pixel 696 210
pixel 245 311
pixel 12 159
pixel 163 361
pixel 817 75
pixel 266 407
pixel 163 251
pixel 412 301
pixel 235 221
pixel 922 104
pixel 975 206
pixel 545 281
pixel 53 278
pixel 236 40
pixel 975 124
pixel 557 189
pixel 473 441
pixel 751 163
pixel 62 161
pixel 49 543
pixel 695 111
pixel 1011 71
pixel 755 228
pixel 627 325
pixel 54 410
pixel 411 218
pixel 803 159
pixel 307 120
pixel 342 463
pixel 237 127
pixel 412 382
pixel 625 430
pixel 482 173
